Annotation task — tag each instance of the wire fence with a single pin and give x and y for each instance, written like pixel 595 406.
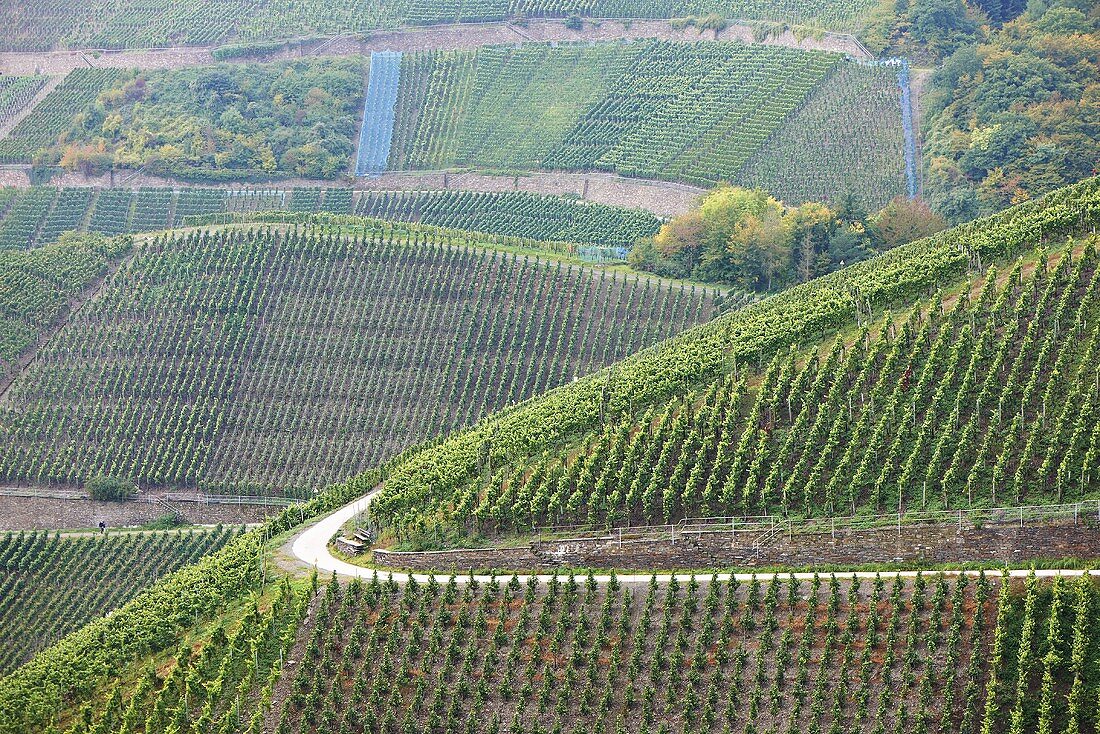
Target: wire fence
pixel 762 529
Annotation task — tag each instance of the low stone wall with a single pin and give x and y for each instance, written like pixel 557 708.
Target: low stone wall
pixel 918 545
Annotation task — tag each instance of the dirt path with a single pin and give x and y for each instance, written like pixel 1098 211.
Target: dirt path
pixel 458 36
pixel 663 198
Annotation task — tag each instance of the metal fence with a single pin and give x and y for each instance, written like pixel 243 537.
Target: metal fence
pixel 762 529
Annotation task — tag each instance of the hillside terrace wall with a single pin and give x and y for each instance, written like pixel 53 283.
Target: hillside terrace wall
pixel 918 545
pixel 45 513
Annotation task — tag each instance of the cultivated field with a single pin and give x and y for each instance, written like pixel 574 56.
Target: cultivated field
pixel 280 361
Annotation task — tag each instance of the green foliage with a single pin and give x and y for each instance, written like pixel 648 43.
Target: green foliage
pixel 40 129
pixel 746 238
pixel 1015 117
pixel 847 139
pixel 16 92
pixel 692 112
pixel 36 285
pixel 896 420
pixel 497 107
pixel 922 29
pixel 68 674
pixel 436 483
pixel 51 586
pixel 291 118
pixel 699 112
pixel 902 656
pixel 514 214
pixel 211 350
pixel 167 521
pixel 248 50
pixel 111 489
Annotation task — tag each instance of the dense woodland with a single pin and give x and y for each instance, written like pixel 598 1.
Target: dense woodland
pixel 227 122
pixel 745 238
pixel 1016 114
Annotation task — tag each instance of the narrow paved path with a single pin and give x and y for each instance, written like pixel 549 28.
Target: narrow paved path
pixel 311 548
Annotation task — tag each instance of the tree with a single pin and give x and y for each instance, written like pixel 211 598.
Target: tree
pixel 941 25
pixel 904 220
pixel 810 225
pixel 759 247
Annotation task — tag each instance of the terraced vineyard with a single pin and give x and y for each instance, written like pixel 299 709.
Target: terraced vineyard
pixel 811 157
pixel 767 654
pixel 36 289
pixel 52 585
pixel 771 654
pixel 256 361
pixel 55 113
pixel 16 92
pixel 498 106
pixel 678 101
pixel 24 216
pixel 515 214
pixel 46 24
pixel 694 112
pixel 911 416
pixel 988 400
pixel 39 215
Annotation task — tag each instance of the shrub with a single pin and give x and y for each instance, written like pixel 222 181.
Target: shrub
pixel 111 489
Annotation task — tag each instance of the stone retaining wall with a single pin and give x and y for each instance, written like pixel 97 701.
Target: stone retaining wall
pixel 45 513
pixel 916 544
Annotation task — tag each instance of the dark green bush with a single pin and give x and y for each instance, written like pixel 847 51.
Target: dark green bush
pixel 111 489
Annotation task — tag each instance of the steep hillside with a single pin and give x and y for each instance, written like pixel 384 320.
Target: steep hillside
pixel 52 585
pixel 281 361
pixel 39 288
pixel 831 654
pixel 45 24
pixel 828 654
pixel 694 112
pixel 893 413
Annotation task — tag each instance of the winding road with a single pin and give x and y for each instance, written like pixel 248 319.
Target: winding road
pixel 310 547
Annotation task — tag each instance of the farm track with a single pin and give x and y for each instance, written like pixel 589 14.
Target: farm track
pixel 663 198
pixel 309 547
